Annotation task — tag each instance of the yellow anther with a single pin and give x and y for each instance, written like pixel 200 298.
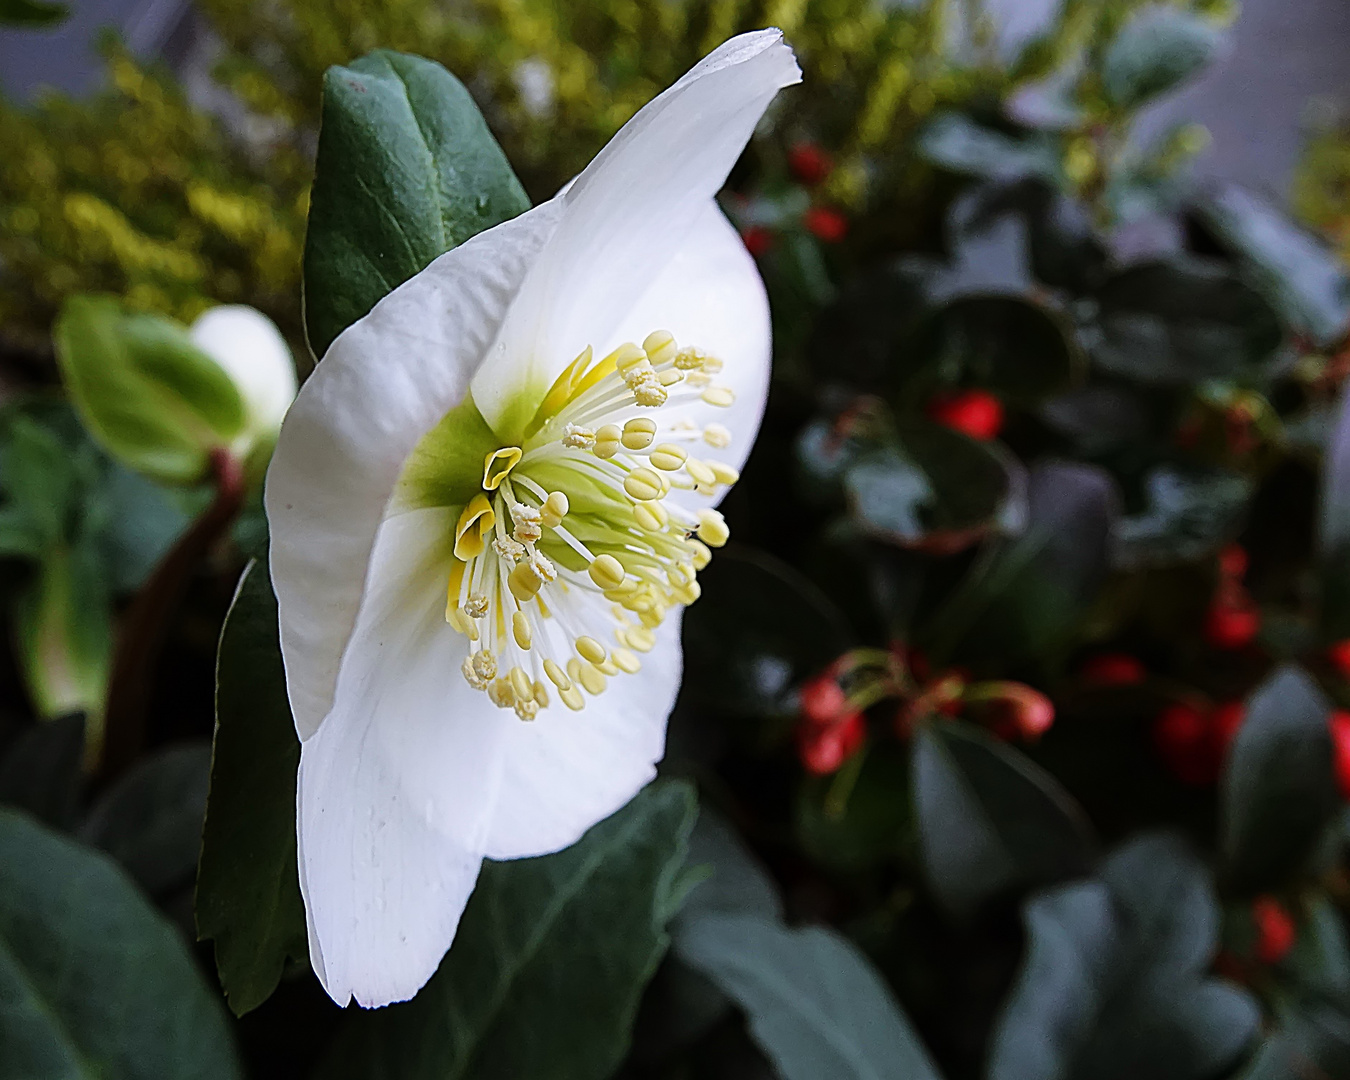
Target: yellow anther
pixel 553 511
pixel 643 485
pixel 475 523
pixel 638 433
pixel 701 472
pixel 687 594
pixel 660 346
pixel 607 441
pixel 485 664
pixel 626 357
pixel 524 582
pixel 571 697
pixel 520 629
pixel 461 622
pixel 527 710
pixel 723 473
pixel 640 638
pixel 721 396
pixel 626 661
pixel 651 618
pixel 701 555
pixel 712 528
pixel 697 380
pixel 528 522
pixel 471 675
pixel 476 606
pixel 717 436
pixel 648 391
pixel 522 684
pixel 590 649
pixel 591 680
pixel 575 437
pixel 498 464
pixel 540 694
pixel 669 377
pixel 574 669
pixel 501 693
pixel 680 574
pixel 689 359
pixel 556 675
pixel 607 572
pixel 712 365
pixel 607 666
pixel 667 457
pixel 651 516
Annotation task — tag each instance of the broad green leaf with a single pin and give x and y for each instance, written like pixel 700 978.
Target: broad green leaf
pixel 406 170
pixel 736 881
pixel 1155 52
pixel 1279 791
pixel 153 400
pixel 150 820
pixel 958 143
pixel 96 985
pixel 41 481
pixel 137 522
pixel 1334 526
pixel 1114 986
pixel 1177 322
pixel 1190 514
pixel 1313 1042
pixel 248 888
pixel 1303 278
pixel 1011 346
pixel 31 13
pixel 815 1006
pixel 40 770
pixel 548 963
pixel 989 819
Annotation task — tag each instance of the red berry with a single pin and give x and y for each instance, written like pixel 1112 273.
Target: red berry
pixel 826 224
pixel 1338 653
pixel 1340 749
pixel 1232 623
pixel 1233 562
pixel 1224 722
pixel 809 163
pixel 1274 930
pixel 823 700
pixel 757 239
pixel 976 413
pixel 1181 734
pixel 1114 669
pixel 824 750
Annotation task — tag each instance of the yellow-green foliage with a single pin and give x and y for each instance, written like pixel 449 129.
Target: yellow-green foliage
pixel 1322 187
pixel 137 193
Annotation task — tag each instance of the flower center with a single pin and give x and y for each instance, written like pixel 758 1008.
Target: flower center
pixel 570 555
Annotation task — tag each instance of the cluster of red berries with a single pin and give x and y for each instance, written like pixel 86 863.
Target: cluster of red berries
pixel 811 166
pixel 1233 619
pixel 976 413
pixel 831 730
pixel 1275 930
pixel 1193 738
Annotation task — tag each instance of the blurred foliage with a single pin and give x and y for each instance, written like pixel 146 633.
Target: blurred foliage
pixel 1321 194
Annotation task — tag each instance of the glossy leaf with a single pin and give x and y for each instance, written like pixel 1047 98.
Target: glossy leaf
pixel 1334 526
pixel 96 984
pixel 958 143
pixel 736 882
pixel 543 943
pixel 1190 514
pixel 815 1005
pixel 155 401
pixel 248 889
pixel 406 170
pixel 1155 52
pixel 1303 278
pixel 989 819
pixel 1114 985
pixel 1279 792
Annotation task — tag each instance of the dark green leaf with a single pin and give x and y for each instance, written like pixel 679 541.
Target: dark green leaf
pixel 989 819
pixel 543 943
pixel 1300 275
pixel 31 13
pixel 736 882
pixel 1113 986
pixel 1181 321
pixel 815 1005
pixel 1100 418
pixel 138 523
pixel 1314 1044
pixel 406 170
pixel 1155 52
pixel 1005 344
pixel 248 889
pixel 150 821
pixel 40 771
pixel 145 391
pixel 1334 527
pixel 1279 791
pixel 96 985
pixel 870 826
pixel 958 143
pixel 1190 515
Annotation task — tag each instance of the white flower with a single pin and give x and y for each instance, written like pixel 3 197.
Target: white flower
pixel 483 505
pixel 252 352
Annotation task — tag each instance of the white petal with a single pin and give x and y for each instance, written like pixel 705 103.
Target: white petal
pixel 565 771
pixel 248 345
pixel 385 381
pixel 710 295
pixel 628 213
pixel 396 787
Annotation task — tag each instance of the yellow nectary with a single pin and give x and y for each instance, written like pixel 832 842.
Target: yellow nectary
pixel 569 542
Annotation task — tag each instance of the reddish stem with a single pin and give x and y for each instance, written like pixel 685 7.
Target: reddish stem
pixel 145 623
